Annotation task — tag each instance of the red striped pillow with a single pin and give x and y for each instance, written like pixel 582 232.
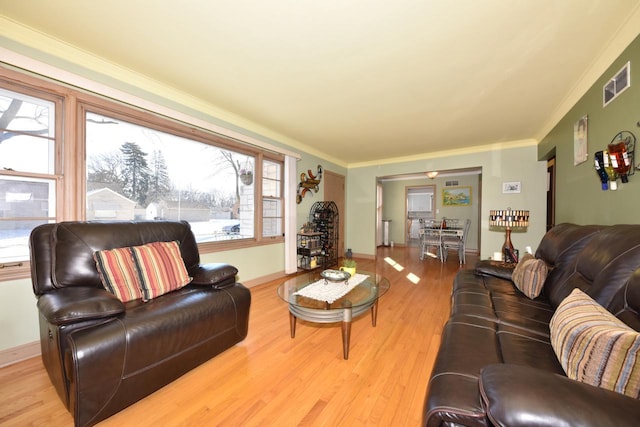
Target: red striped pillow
pixel 118 273
pixel 161 268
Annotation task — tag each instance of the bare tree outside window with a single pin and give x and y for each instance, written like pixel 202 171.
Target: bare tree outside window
pixel 136 172
pixel 27 161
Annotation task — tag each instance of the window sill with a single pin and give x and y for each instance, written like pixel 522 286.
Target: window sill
pixel 15 272
pixel 24 271
pixel 209 247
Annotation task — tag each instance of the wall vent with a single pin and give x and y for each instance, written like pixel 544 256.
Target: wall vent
pixel 450 183
pixel 618 84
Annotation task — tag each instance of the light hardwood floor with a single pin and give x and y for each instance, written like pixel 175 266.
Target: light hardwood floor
pixel 270 379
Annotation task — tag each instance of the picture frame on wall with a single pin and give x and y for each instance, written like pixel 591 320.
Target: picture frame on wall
pixel 511 187
pixel 456 196
pixel 580 132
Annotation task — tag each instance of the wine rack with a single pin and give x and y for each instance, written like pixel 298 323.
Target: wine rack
pixel 322 243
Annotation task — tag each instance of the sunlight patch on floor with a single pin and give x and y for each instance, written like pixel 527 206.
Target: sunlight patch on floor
pixel 413 278
pixel 393 263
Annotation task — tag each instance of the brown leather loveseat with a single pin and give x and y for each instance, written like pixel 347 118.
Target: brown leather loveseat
pixel 496 365
pixel 101 354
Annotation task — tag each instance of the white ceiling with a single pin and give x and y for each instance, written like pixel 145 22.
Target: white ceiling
pixel 355 79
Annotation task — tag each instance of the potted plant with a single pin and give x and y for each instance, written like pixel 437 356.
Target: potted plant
pixel 349 265
pixel 246 176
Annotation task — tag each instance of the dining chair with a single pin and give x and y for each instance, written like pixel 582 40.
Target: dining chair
pixel 456 242
pixel 431 238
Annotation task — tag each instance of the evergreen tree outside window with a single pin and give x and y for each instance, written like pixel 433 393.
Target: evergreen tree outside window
pixel 155 175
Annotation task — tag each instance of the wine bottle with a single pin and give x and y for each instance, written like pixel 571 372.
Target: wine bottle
pixel 620 159
pixel 611 173
pixel 602 173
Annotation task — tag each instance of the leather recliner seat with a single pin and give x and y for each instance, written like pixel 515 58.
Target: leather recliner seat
pixel 102 355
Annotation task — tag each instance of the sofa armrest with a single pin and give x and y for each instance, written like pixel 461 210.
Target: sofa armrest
pixel 524 396
pixel 216 275
pixel 487 267
pixel 78 303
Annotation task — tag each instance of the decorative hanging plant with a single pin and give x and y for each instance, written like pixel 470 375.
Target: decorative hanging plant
pixel 246 176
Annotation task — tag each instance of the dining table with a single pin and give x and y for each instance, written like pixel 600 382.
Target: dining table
pixel 432 233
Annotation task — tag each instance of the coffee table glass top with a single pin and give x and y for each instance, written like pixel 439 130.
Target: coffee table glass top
pixel 365 293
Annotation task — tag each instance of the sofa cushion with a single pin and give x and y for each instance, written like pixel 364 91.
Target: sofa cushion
pixel 593 346
pixel 529 275
pixel 118 273
pixel 160 267
pixel 519 396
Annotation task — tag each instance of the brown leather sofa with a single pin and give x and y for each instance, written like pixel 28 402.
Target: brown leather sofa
pixel 102 355
pixel 496 365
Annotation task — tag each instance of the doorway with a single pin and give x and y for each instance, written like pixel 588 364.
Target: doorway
pixel 391 203
pixel 419 206
pixel 551 193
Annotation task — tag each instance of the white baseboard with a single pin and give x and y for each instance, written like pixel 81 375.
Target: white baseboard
pixel 18 354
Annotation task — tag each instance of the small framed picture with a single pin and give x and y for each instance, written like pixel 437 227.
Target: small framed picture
pixel 511 187
pixel 580 129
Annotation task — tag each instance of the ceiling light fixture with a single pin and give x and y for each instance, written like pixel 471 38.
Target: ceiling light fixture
pixel 432 174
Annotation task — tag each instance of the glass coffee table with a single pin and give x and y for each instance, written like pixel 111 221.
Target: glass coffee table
pixel 319 300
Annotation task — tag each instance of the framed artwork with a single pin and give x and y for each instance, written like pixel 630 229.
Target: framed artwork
pixel 456 196
pixel 580 141
pixel 511 187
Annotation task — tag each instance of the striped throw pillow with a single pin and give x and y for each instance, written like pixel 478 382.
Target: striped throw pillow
pixel 529 275
pixel 595 347
pixel 118 273
pixel 161 268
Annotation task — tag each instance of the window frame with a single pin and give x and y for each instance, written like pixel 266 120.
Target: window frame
pixel 71 105
pixel 279 198
pixel 36 88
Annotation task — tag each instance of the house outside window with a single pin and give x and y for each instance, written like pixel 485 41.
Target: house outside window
pixel 137 172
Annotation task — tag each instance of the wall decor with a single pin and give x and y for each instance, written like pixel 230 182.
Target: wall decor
pixel 580 130
pixel 309 183
pixel 511 187
pixel 456 196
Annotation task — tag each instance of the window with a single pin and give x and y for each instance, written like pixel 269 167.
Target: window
pixel 28 145
pixel 272 206
pixel 137 172
pixel 133 165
